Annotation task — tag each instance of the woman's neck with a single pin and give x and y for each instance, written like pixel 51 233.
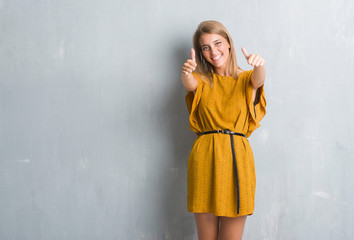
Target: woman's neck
pixel 222 72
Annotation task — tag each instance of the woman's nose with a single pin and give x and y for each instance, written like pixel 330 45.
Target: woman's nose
pixel 212 50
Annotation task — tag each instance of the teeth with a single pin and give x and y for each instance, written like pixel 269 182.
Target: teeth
pixel 216 58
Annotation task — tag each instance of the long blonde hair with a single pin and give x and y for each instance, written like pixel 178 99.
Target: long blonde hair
pixel 204 68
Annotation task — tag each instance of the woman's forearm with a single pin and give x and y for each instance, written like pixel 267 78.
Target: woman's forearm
pixel 258 76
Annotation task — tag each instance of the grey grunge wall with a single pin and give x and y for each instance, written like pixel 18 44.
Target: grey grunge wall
pixel 94 132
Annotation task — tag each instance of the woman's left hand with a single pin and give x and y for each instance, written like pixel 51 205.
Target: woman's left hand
pixel 253 59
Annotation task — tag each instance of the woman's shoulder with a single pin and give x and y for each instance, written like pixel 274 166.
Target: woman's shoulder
pixel 241 72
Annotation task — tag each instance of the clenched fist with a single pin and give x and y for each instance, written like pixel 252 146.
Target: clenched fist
pixel 253 59
pixel 190 65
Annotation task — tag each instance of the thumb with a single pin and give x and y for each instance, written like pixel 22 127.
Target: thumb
pixel 245 52
pixel 193 54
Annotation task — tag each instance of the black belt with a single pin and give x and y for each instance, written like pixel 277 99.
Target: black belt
pixel 226 131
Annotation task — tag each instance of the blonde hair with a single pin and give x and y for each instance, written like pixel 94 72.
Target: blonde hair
pixel 204 68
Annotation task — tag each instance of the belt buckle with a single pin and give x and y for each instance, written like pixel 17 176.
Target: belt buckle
pixel 225 131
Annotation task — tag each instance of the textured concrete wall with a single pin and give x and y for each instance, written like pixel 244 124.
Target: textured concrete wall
pixel 94 136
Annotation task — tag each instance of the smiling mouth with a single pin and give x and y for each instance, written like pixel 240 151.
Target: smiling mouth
pixel 216 58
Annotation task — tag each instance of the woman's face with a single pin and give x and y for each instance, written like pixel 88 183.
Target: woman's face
pixel 216 50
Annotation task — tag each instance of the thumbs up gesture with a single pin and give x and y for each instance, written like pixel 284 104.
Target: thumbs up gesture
pixel 190 65
pixel 253 59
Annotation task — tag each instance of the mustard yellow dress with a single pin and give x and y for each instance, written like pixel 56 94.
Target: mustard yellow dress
pixel 211 183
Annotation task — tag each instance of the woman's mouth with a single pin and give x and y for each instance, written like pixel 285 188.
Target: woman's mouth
pixel 215 59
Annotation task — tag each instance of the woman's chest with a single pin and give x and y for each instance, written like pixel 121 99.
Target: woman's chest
pixel 225 95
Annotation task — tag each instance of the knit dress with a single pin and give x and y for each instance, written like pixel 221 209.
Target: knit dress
pixel 228 104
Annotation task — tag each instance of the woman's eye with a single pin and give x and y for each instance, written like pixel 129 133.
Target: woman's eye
pixel 218 43
pixel 205 48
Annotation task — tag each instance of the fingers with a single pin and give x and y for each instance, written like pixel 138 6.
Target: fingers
pixel 186 72
pixel 190 65
pixel 253 59
pixel 243 49
pixel 260 62
pixel 193 54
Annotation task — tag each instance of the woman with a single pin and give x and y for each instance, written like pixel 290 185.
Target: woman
pixel 226 105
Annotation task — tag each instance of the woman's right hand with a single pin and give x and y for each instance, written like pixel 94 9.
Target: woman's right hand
pixel 190 65
pixel 189 81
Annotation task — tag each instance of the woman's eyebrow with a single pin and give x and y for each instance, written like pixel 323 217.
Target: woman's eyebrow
pixel 217 40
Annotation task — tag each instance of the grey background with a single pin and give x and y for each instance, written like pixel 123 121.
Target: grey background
pixel 94 134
